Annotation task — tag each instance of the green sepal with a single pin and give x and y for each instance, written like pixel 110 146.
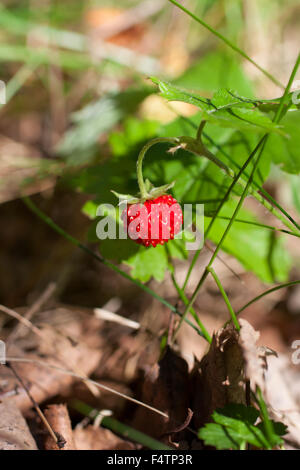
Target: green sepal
pixel 152 193
pixel 126 197
pixel 159 191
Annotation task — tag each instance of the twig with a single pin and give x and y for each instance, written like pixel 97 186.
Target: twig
pixel 41 300
pixel 22 320
pixel 40 334
pixel 77 376
pixel 104 314
pixel 34 403
pixel 58 418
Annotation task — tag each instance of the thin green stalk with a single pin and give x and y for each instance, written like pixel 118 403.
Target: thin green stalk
pixel 228 42
pixel 240 203
pixel 133 434
pixel 225 197
pixel 30 204
pixel 127 432
pixel 267 423
pixel 258 224
pixel 279 115
pixel 244 194
pixel 192 310
pixel 201 150
pixel 280 208
pixel 225 297
pixel 264 198
pixel 267 292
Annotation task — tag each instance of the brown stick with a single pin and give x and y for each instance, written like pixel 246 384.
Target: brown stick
pixel 32 311
pixel 52 435
pixel 59 420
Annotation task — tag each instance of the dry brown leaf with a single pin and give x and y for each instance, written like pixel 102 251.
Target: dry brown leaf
pixel 73 345
pixel 255 357
pixel 14 432
pixel 283 394
pixel 218 378
pixel 165 387
pixel 59 420
pixel 92 438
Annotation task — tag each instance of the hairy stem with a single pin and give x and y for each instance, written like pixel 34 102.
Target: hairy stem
pixel 139 165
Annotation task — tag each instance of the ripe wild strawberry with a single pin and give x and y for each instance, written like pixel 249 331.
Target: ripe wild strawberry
pixel 156 221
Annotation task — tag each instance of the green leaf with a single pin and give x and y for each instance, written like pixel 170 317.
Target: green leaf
pixel 219 437
pixel 234 426
pixel 134 131
pixel 149 262
pixel 80 143
pixel 223 109
pixel 259 251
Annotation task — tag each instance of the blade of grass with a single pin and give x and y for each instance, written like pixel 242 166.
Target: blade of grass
pixel 227 42
pixel 240 203
pixel 260 147
pixel 265 200
pixel 267 423
pixel 193 312
pixel 226 196
pixel 225 297
pixel 267 292
pixel 262 196
pixel 119 428
pixel 258 224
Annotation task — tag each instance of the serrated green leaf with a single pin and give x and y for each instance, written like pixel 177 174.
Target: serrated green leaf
pixel 234 426
pixel 238 411
pixel 239 115
pixel 219 437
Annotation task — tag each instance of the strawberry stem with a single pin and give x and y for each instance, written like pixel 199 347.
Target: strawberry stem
pixel 139 165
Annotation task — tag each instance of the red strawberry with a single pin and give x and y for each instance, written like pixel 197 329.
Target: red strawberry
pixel 154 222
